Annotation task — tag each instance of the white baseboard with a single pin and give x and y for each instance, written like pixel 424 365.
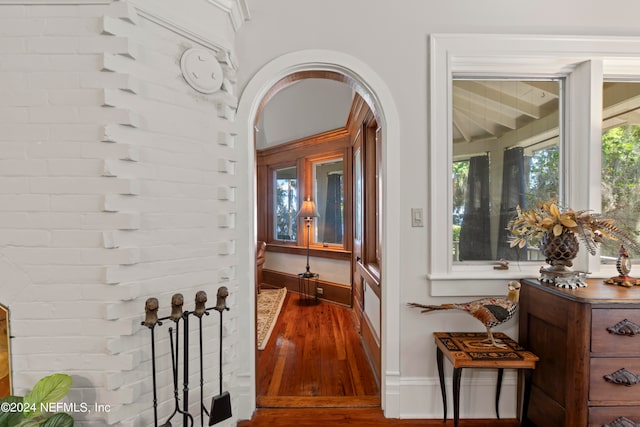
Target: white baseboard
pixel 245 397
pixel 421 398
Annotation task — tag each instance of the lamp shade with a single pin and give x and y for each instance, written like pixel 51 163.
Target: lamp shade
pixel 308 210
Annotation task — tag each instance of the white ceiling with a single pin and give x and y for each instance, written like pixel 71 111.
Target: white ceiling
pixel 306 107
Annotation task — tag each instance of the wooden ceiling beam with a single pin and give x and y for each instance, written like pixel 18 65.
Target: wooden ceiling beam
pixel 461 125
pixel 472 109
pixel 498 100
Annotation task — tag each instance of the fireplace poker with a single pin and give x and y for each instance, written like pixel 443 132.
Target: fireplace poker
pixel 200 310
pixel 150 321
pixel 220 404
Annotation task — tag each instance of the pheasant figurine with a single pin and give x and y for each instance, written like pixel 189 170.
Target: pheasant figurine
pixel 492 311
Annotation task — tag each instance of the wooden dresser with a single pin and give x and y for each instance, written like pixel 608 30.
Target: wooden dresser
pixel 568 330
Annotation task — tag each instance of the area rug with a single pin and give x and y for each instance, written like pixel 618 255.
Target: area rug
pixel 269 306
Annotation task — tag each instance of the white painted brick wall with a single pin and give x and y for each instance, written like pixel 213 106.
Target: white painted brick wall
pixel 117 183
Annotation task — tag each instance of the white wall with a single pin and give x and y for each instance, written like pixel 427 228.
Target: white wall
pixel 117 183
pixel 330 270
pixel 283 117
pixel 392 39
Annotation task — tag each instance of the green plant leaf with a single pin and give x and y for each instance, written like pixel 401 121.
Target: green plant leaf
pixel 58 420
pixel 27 423
pixel 49 389
pixel 11 418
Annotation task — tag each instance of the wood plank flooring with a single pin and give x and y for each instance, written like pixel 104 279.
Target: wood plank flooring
pixel 353 417
pixel 315 358
pixel 314 373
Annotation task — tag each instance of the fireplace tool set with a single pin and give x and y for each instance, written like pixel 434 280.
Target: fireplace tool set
pixel 220 408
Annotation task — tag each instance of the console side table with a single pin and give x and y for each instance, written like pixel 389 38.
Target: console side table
pixel 468 350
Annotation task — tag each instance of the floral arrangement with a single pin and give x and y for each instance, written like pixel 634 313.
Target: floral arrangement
pixel 548 218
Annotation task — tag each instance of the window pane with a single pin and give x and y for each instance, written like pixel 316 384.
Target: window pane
pixel 506 140
pixel 620 185
pixel 329 196
pixel 286 203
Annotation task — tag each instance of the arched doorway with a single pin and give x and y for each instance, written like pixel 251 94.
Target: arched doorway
pixel 373 89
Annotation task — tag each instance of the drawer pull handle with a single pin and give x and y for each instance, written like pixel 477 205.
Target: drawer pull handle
pixel 622 377
pixel 625 327
pixel 621 422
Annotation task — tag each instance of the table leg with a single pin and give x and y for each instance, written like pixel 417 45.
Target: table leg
pixel 526 395
pixel 440 359
pixel 457 373
pixel 498 388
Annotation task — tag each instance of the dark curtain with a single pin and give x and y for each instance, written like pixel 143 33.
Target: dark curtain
pixel 333 211
pixel 475 231
pixel 513 194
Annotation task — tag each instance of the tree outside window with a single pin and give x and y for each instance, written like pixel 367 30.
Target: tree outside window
pixel 286 204
pixel 620 185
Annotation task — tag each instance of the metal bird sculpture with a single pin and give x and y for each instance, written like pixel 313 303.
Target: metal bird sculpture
pixel 492 311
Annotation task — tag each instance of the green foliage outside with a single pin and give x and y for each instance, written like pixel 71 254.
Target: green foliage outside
pixel 456 233
pixel 544 176
pixel 621 179
pixel 459 178
pixel 286 206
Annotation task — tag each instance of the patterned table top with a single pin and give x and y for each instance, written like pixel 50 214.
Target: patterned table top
pixel 469 350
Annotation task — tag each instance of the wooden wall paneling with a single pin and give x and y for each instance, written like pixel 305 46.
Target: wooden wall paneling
pixel 377 135
pixel 309 146
pixel 372 346
pixel 370 253
pixel 333 292
pixel 348 198
pixel 359 113
pixel 314 252
pixel 263 201
pixel 356 245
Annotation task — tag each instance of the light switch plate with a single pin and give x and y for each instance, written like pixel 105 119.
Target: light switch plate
pixel 417 219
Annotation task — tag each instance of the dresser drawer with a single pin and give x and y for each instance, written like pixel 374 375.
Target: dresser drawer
pixel 603 415
pixel 625 341
pixel 601 390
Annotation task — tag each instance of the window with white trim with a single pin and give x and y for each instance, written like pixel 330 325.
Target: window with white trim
pixel 582 64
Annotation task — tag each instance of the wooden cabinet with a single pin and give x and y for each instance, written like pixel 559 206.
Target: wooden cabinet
pixel 573 333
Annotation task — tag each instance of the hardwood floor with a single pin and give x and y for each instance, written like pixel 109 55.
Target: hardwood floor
pixel 315 358
pixel 314 372
pixel 353 417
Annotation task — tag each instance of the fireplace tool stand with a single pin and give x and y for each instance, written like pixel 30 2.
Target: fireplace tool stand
pixel 179 316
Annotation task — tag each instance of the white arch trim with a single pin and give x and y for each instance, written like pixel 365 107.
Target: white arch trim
pixel 377 92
